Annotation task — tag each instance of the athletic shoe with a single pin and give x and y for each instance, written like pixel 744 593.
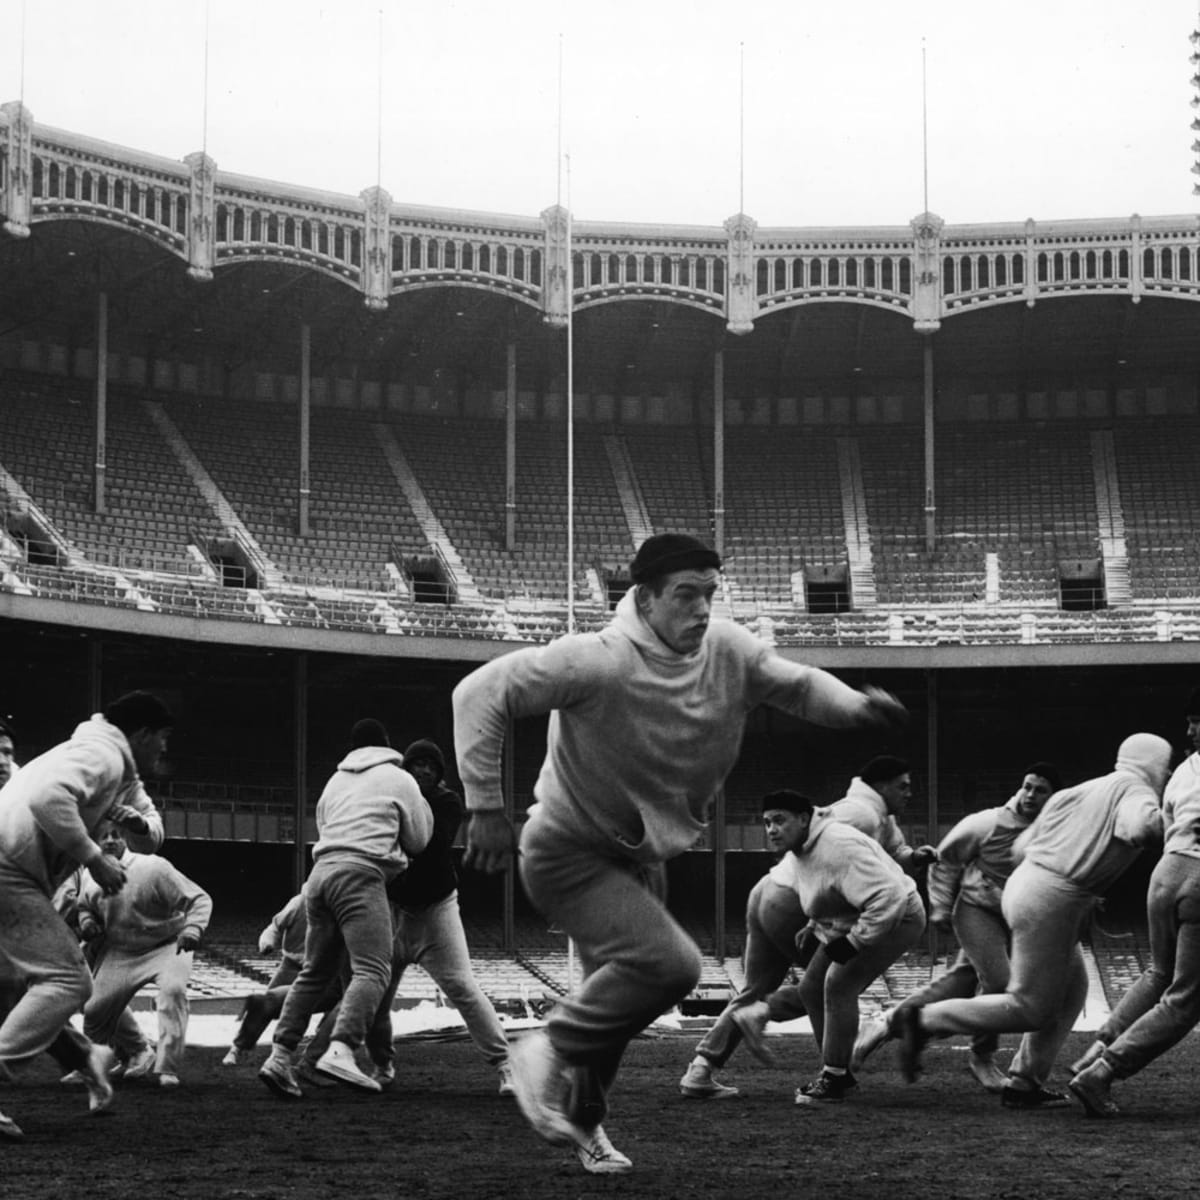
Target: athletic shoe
pixel 1090 1055
pixel 1090 1087
pixel 871 1036
pixel 236 1056
pixel 72 1078
pixel 907 1027
pixel 1035 1097
pixel 339 1063
pixel 752 1023
pixel 698 1084
pixel 167 1079
pixel 506 1079
pixel 95 1076
pixel 541 1086
pixel 988 1075
pixel 306 1070
pixel 384 1074
pixel 9 1128
pixel 141 1064
pixel 827 1089
pixel 599 1155
pixel 279 1075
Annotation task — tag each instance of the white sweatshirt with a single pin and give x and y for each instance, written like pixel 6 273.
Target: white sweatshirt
pixel 864 808
pixel 847 883
pixel 1181 809
pixel 49 809
pixel 372 811
pixel 641 738
pixel 1089 834
pixel 156 905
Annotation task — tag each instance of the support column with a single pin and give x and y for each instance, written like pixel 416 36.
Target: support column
pixel 719 451
pixel 720 875
pixel 302 514
pixel 95 673
pixel 101 466
pixel 509 932
pixel 510 448
pixel 930 482
pixel 300 721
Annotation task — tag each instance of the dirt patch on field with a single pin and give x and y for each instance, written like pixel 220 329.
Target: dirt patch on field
pixel 442 1131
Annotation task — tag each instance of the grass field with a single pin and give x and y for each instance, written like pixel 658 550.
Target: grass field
pixel 442 1131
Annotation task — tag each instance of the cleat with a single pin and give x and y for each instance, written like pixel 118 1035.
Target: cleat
pixel 280 1076
pixel 912 1041
pixel 72 1078
pixel 751 1022
pixel 141 1064
pixel 1035 1097
pixel 236 1056
pixel 599 1155
pixel 1090 1055
pixel 987 1074
pixel 541 1086
pixel 870 1037
pixel 1090 1087
pixel 827 1089
pixel 698 1083
pixel 339 1063
pixel 167 1079
pixel 506 1079
pixel 95 1076
pixel 10 1129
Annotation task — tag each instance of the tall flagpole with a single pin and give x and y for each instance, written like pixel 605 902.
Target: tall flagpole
pixel 204 86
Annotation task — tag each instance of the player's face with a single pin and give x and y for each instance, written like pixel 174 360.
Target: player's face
pixel 112 842
pixel 6 759
pixel 149 746
pixel 679 613
pixel 424 772
pixel 896 793
pixel 786 830
pixel 1032 795
pixel 1193 733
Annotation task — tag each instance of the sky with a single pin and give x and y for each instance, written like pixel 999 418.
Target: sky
pixel 799 113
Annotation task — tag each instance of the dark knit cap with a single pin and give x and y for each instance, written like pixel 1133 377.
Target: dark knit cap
pixel 1193 705
pixel 788 801
pixel 138 710
pixel 1048 771
pixel 882 768
pixel 427 750
pixel 368 732
pixel 666 552
pixel 6 729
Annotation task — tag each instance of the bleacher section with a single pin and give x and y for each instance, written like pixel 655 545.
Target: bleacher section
pixel 1013 502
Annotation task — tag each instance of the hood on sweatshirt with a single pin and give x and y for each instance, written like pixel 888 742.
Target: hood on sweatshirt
pixel 633 625
pixel 366 757
pixel 1147 756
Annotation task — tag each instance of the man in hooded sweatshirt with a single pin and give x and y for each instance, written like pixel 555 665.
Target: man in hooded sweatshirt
pixel 647 718
pixel 370 818
pixel 1083 841
pixel 48 812
pixel 1164 1004
pixel 428 928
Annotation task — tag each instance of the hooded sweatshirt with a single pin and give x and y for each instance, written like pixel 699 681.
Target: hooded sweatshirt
pixel 156 905
pixel 641 737
pixel 976 858
pixel 48 811
pixel 847 883
pixel 372 811
pixel 864 808
pixel 1089 834
pixel 1181 809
